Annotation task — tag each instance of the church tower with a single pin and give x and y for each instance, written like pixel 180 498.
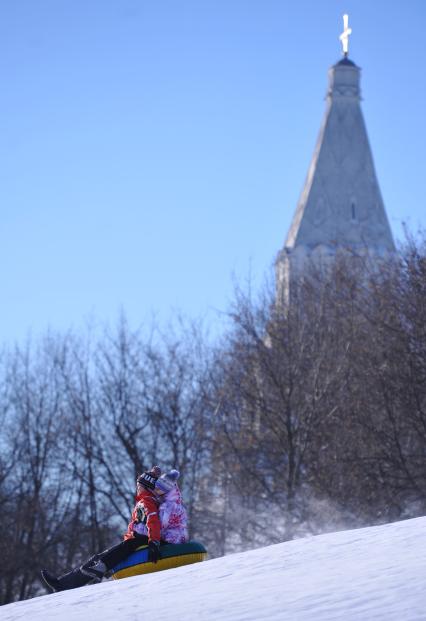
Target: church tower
pixel 341 207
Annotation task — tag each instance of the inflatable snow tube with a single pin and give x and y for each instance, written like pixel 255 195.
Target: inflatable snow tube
pixel 172 555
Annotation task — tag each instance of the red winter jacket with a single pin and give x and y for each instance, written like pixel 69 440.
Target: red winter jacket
pixel 146 501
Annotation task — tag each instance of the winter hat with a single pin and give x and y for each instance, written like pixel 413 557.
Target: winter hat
pixel 156 471
pixel 149 479
pixel 166 482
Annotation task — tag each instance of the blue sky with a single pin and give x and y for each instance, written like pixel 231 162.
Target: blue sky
pixel 149 150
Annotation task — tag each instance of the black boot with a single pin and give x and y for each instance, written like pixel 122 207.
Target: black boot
pixel 54 584
pixel 95 569
pixel 73 579
pixel 90 572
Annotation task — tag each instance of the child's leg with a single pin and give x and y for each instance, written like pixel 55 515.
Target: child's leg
pixel 71 580
pixel 121 551
pixel 74 579
pixel 96 566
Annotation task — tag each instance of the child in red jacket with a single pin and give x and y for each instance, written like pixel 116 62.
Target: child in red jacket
pixel 144 528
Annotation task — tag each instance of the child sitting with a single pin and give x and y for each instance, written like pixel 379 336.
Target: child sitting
pixel 157 517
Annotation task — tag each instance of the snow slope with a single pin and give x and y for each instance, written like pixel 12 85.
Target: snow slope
pixel 366 574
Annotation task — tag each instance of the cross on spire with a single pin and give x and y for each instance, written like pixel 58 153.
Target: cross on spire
pixel 344 37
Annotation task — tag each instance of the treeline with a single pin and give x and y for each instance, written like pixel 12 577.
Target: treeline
pixel 299 419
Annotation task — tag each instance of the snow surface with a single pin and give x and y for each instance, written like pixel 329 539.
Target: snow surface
pixel 371 573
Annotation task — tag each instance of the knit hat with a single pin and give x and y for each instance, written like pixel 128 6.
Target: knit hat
pixel 148 479
pixel 166 482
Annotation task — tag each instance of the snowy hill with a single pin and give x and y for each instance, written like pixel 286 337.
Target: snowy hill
pixel 366 574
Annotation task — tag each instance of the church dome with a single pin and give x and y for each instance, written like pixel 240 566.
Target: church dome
pixel 345 62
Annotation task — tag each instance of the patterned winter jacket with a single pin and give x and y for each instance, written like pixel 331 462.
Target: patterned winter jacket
pixel 173 518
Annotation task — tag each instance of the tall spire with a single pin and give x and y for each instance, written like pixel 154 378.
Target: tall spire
pixel 340 206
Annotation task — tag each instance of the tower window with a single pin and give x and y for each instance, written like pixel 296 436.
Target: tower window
pixel 353 210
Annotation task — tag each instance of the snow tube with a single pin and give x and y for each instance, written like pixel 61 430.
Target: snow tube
pixel 172 555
